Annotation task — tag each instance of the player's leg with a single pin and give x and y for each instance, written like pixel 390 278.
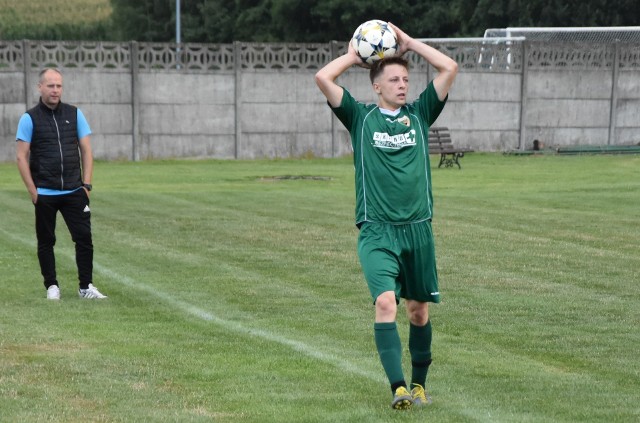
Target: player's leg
pixel 420 337
pixel 387 339
pixel 389 348
pixel 421 288
pixel 380 268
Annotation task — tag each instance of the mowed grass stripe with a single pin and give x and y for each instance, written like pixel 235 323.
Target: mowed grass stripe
pixel 233 326
pixel 524 332
pixel 150 249
pixel 228 325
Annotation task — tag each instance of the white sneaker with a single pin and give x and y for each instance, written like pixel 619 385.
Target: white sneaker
pixel 53 292
pixel 91 292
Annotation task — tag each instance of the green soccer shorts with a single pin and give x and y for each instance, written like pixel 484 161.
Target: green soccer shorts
pixel 399 258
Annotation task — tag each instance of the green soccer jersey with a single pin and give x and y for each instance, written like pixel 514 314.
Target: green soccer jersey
pixel 391 159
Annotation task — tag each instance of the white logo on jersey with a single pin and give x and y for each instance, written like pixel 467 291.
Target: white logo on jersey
pixel 403 120
pixel 394 142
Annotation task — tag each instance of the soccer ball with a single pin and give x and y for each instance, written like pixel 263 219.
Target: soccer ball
pixel 374 40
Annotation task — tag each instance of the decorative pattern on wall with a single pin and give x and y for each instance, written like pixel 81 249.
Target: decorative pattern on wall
pixel 571 56
pixel 472 56
pixel 11 56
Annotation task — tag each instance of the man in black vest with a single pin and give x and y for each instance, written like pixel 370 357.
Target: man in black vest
pixel 56 164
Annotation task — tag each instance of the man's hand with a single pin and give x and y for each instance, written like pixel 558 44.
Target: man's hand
pixel 403 40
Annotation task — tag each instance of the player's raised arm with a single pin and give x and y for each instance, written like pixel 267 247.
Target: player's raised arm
pixel 326 77
pixel 447 68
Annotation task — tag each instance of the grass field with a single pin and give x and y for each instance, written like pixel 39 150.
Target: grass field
pixel 235 295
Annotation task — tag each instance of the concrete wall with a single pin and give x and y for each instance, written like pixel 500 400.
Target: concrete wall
pixel 255 110
pixel 483 111
pixel 569 107
pixel 627 119
pixel 188 115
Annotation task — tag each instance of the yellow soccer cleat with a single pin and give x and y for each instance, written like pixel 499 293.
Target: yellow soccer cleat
pixel 419 397
pixel 402 399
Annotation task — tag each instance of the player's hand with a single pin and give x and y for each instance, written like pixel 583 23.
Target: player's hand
pixel 403 40
pixel 356 58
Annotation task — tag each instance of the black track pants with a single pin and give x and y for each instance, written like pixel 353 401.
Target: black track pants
pixel 74 208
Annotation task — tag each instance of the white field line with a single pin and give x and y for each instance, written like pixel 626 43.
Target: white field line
pixel 301 347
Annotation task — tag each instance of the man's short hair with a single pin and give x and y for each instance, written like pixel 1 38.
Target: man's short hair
pixel 43 71
pixel 378 67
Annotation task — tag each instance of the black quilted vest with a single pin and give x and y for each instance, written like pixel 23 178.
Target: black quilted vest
pixel 54 151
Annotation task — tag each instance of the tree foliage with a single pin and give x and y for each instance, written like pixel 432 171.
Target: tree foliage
pixel 143 20
pixel 217 21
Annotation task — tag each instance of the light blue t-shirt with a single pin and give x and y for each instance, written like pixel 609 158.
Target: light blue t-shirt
pixel 25 132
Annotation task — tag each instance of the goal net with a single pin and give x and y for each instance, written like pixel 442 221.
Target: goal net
pixel 501 49
pixel 569 34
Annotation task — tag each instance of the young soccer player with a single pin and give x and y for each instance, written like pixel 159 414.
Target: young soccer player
pixel 394 204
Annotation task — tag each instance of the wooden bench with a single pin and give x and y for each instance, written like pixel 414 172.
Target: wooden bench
pixel 440 143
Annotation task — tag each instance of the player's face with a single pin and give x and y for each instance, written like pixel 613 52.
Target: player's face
pixel 392 87
pixel 50 88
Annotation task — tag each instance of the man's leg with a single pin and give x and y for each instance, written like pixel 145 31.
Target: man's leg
pixel 77 215
pixel 46 209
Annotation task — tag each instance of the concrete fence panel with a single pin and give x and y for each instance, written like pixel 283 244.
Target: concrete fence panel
pixel 254 100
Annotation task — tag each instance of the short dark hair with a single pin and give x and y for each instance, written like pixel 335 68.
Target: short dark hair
pixel 378 67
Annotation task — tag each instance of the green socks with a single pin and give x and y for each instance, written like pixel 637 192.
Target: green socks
pixel 420 349
pixel 390 351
